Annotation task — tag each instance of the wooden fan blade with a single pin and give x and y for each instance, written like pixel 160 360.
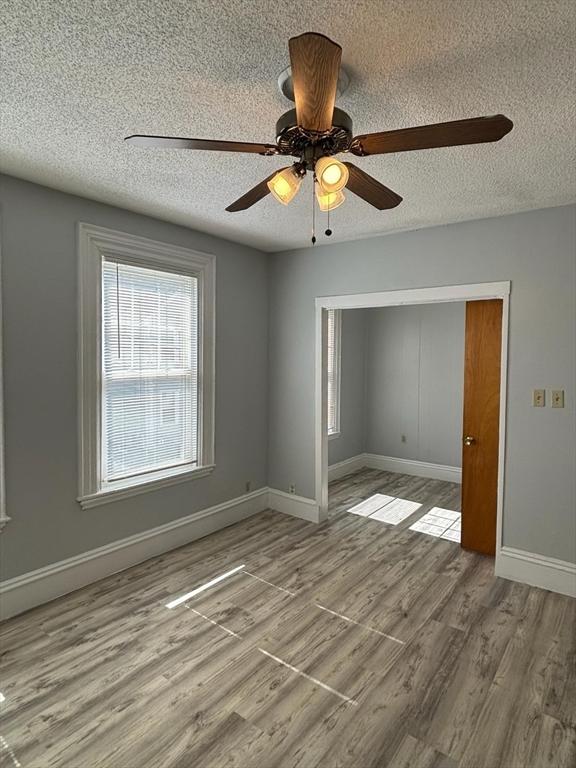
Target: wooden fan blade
pixel 175 142
pixel 369 189
pixel 315 62
pixel 253 195
pixel 473 131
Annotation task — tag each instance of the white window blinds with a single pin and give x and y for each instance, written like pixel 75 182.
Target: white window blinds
pixel 333 371
pixel 149 398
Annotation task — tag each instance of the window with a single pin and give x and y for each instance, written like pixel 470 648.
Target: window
pixel 334 336
pixel 146 383
pixel 149 371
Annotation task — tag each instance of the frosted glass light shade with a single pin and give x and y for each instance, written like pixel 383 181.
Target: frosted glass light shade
pixel 332 175
pixel 327 202
pixel 284 185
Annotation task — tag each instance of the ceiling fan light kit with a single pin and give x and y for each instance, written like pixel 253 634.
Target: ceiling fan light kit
pixel 316 130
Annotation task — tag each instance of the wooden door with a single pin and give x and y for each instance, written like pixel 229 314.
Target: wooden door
pixel 481 424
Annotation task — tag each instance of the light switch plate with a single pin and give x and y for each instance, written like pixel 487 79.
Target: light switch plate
pixel 557 398
pixel 538 398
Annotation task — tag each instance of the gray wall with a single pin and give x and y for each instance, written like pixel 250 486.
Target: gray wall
pixel 414 382
pixel 402 374
pixel 352 389
pixel 537 252
pixel 40 375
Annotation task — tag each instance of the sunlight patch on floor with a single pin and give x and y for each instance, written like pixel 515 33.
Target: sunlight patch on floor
pixel 441 523
pixel 386 509
pixel 203 587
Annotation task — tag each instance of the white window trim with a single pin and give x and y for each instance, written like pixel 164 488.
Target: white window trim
pixel 93 243
pixel 338 355
pixel 393 298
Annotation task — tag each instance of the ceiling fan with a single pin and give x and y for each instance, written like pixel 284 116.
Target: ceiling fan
pixel 316 130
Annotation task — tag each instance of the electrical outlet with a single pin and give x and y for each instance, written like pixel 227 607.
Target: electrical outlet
pixel 403 438
pixel 538 398
pixel 292 488
pixel 557 398
pixel 248 486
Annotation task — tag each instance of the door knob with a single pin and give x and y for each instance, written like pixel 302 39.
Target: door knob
pixel 468 440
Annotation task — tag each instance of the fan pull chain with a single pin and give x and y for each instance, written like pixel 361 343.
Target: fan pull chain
pixel 313 210
pixel 328 231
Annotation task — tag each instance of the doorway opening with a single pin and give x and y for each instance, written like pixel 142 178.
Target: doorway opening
pixel 384 482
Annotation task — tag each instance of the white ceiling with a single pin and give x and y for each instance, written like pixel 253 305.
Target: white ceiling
pixel 78 76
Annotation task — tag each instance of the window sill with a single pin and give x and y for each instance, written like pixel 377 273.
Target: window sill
pixel 120 491
pixel 333 435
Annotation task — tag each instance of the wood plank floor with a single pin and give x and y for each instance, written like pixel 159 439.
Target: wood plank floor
pixel 354 644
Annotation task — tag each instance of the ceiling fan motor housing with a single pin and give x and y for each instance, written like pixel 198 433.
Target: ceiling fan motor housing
pixel 310 145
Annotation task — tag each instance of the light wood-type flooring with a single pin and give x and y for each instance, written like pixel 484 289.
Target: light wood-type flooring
pixel 355 643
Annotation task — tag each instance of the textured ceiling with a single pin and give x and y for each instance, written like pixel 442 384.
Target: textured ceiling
pixel 77 76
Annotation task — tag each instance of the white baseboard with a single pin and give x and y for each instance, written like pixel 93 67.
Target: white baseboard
pixel 40 586
pixel 57 579
pixel 342 468
pixel 536 570
pixel 297 506
pixel 417 468
pixel 391 464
